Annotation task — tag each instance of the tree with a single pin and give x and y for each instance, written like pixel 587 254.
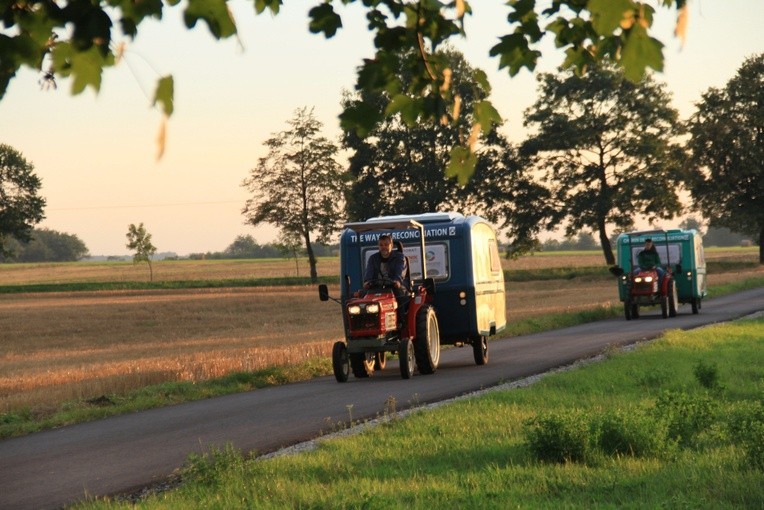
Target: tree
pixel 726 170
pixel 76 40
pixel 398 168
pixel 139 239
pixel 48 245
pixel 298 186
pixel 692 223
pixel 606 147
pixel 21 207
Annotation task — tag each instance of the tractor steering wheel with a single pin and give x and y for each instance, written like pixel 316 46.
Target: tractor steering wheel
pixel 381 283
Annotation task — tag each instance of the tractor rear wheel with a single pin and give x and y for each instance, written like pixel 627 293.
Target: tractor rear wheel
pixel 406 356
pixel 480 350
pixel 340 362
pixel 427 342
pixel 362 364
pixel 664 307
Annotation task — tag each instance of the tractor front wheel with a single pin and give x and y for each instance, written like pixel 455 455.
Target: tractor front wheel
pixel 380 360
pixel 340 362
pixel 362 364
pixel 406 356
pixel 673 299
pixel 427 342
pixel 627 310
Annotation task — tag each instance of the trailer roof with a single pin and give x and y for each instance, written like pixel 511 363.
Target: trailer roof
pixel 384 224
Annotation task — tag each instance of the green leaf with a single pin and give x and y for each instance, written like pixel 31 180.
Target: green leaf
pixel 639 52
pixel 215 13
pixel 273 5
pixel 164 94
pixel 85 67
pixel 607 14
pixel 487 116
pixel 360 118
pixel 461 165
pixel 513 52
pixel 324 20
pixel 408 107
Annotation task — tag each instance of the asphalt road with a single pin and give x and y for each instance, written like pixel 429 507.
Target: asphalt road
pixel 121 454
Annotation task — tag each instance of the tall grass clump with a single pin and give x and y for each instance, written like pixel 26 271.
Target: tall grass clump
pixel 559 436
pixel 633 432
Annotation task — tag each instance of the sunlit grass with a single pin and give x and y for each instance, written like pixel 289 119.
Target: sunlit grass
pixel 475 453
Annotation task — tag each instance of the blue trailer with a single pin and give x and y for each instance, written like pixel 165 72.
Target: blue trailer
pixel 455 257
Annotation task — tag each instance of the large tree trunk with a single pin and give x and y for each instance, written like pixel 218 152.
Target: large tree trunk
pixel 607 249
pixel 311 259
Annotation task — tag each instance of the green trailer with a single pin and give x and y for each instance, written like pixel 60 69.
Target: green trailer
pixel 681 253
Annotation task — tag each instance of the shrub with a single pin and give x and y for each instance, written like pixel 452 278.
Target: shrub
pixel 685 415
pixel 707 374
pixel 634 433
pixel 559 437
pixel 213 467
pixel 747 430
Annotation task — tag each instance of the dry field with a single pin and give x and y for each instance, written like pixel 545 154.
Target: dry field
pixel 67 346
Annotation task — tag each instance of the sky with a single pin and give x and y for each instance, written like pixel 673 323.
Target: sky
pixel 97 154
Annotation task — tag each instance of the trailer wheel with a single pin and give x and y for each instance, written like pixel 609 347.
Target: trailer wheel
pixel 427 342
pixel 695 305
pixel 480 350
pixel 362 364
pixel 406 356
pixel 340 362
pixel 673 299
pixel 380 360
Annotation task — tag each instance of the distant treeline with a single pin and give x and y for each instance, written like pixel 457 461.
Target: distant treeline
pixel 246 247
pixel 716 236
pixel 52 246
pixel 46 246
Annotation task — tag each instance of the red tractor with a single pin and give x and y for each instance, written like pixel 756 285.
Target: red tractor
pixel 374 325
pixel 646 288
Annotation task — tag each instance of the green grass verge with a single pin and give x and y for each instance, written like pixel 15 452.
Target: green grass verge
pixel 677 423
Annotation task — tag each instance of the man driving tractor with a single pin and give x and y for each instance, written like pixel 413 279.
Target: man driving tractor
pixel 391 265
pixel 648 258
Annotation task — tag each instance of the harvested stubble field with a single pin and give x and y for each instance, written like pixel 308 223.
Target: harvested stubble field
pixel 66 346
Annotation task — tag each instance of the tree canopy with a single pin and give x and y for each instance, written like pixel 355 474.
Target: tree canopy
pixel 21 206
pixel 298 186
pixel 81 38
pixel 47 245
pixel 398 168
pixel 727 145
pixel 607 149
pixel 139 240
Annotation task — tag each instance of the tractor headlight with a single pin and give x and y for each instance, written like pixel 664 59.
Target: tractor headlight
pixel 638 279
pixel 648 279
pixel 354 310
pixel 372 308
